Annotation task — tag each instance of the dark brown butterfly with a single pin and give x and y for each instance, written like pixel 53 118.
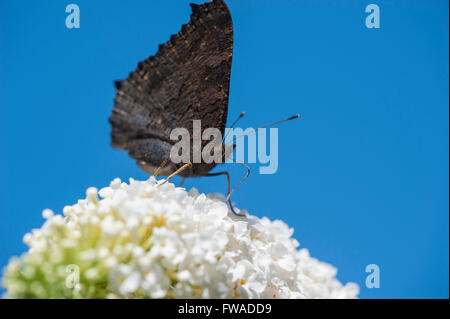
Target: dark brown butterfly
pixel 188 79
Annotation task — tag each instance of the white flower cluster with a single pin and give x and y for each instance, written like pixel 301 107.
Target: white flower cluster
pixel 145 240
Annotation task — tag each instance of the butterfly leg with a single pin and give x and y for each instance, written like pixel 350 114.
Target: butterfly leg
pixel 182 182
pixel 155 174
pixel 228 189
pixel 246 176
pixel 182 168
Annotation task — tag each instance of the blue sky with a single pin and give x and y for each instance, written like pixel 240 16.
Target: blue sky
pixel 363 175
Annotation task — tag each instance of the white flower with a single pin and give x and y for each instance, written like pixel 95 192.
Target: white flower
pixel 143 239
pixel 125 279
pixel 156 282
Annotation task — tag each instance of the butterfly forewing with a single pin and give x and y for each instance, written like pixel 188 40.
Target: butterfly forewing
pixel 188 79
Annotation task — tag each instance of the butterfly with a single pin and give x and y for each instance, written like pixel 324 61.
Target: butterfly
pixel 187 79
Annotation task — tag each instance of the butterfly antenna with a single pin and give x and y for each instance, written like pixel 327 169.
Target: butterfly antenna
pixel 267 125
pixel 234 123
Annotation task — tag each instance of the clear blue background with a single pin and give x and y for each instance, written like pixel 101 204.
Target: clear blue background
pixel 363 175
